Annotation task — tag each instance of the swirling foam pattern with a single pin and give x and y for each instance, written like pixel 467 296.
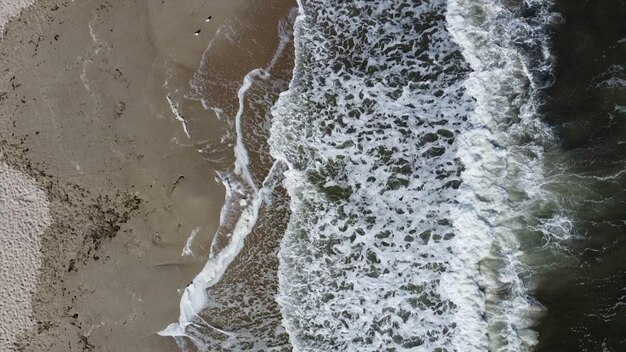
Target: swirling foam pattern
pixel 414 150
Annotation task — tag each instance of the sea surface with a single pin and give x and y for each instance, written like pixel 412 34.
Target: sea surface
pixel 443 175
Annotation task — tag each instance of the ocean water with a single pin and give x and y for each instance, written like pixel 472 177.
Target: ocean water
pixel 585 296
pixel 443 175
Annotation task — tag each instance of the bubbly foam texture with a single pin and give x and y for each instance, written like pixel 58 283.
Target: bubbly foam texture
pixel 507 48
pixel 415 160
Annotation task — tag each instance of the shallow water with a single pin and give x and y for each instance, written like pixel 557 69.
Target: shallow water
pixel 230 305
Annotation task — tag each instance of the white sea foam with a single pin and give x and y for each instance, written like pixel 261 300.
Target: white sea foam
pixel 242 160
pixel 187 249
pixel 498 164
pixel 178 115
pixel 406 129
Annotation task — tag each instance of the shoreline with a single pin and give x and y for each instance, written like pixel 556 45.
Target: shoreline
pixel 242 94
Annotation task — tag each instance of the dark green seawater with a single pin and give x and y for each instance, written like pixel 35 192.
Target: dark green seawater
pixel 584 292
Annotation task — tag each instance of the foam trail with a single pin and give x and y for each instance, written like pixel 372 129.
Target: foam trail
pixel 242 160
pixel 178 115
pixel 187 249
pixel 284 35
pixel 194 297
pixel 229 198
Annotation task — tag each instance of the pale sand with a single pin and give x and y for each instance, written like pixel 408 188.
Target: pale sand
pixel 10 9
pixel 24 217
pixel 83 112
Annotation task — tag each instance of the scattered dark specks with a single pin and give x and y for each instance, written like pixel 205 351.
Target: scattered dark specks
pixel 197 32
pixel 14 83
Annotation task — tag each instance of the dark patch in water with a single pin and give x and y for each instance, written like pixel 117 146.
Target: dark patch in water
pixel 586 297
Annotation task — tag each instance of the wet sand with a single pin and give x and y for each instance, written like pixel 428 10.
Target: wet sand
pixel 242 303
pixel 84 115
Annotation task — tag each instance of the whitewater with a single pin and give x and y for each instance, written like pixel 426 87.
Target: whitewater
pixel 412 150
pixel 415 169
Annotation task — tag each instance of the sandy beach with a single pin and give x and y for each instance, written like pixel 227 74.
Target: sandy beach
pixel 111 165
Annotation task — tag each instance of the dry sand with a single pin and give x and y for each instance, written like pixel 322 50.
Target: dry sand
pixel 24 216
pixel 84 115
